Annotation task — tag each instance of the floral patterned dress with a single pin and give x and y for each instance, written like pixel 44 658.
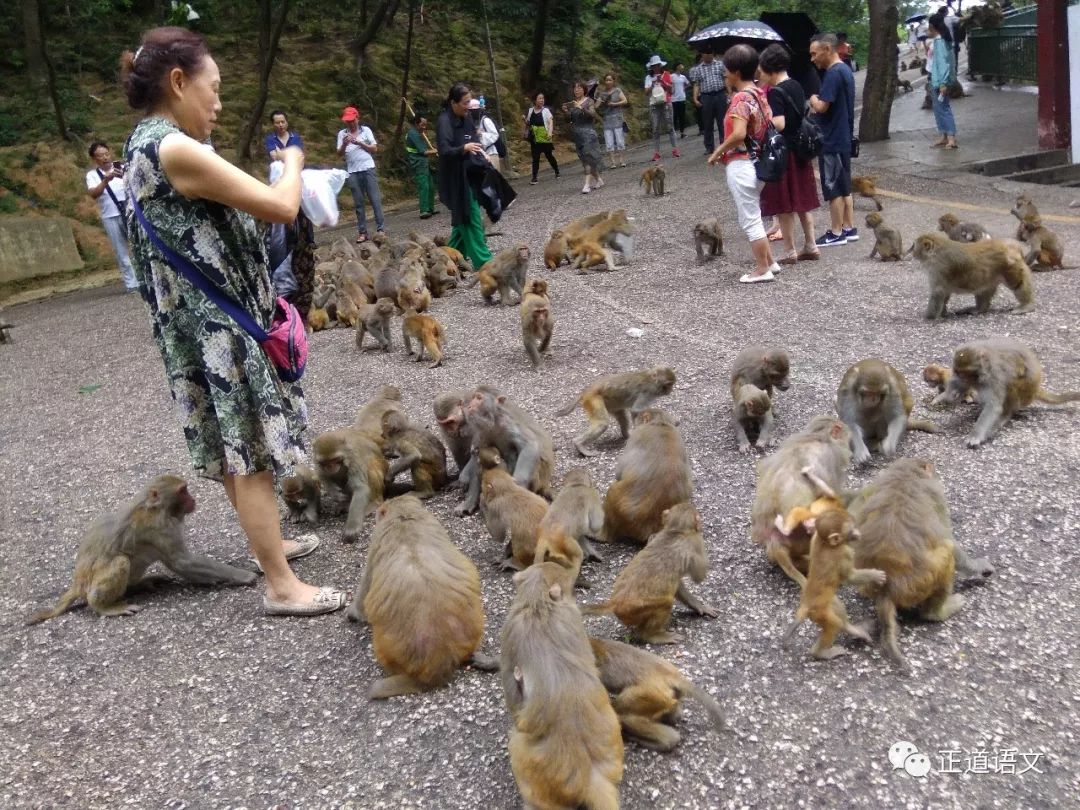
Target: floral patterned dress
pixel 238 416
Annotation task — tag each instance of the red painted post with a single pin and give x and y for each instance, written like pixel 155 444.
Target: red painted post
pixel 1053 67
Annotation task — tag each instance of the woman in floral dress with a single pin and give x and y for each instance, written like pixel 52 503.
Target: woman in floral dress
pixel 241 422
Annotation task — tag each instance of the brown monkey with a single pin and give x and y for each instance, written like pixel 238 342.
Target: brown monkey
pixel 440 274
pixel 708 236
pixel 351 460
pixel 831 565
pixel 504 272
pixel 119 546
pixel 578 227
pixel 765 367
pixel 1047 251
pixel 645 591
pixel 318 319
pixel 421 597
pixel 576 514
pixel 903 84
pixel 961 231
pixel 653 180
pixel 428 332
pixel 555 250
pixel 823 447
pixel 614 231
pixel 752 414
pixel 648 693
pixel 804 516
pixel 417 450
pixel 1024 209
pixel 511 513
pixel 536 321
pixel 976 268
pixel 462 264
pixel 904 526
pixel 865 186
pixel 621 396
pixel 1006 375
pixel 888 246
pixel 566 748
pixel 587 254
pixel 937 377
pixel 348 313
pixel 449 408
pixel 412 291
pixel 375 319
pixel 874 401
pixel 653 474
pixel 369 418
pixel 302 493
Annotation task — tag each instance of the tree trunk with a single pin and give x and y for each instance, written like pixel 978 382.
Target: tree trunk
pixel 691 20
pixel 405 75
pixel 358 46
pixel 572 48
pixel 35 55
pixel 530 71
pixel 663 22
pixel 269 36
pixel 880 83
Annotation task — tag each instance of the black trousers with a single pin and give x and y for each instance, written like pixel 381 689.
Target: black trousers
pixel 547 149
pixel 679 108
pixel 713 107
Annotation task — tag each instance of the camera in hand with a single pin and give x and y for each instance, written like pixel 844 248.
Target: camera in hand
pixel 118 166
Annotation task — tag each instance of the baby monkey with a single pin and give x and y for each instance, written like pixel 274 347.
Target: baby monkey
pixel 831 565
pixel 707 234
pixel 805 516
pixel 653 180
pixel 888 245
pixel 374 319
pixel 752 414
pixel 961 231
pixel 428 331
pixel 536 321
pixel 1046 250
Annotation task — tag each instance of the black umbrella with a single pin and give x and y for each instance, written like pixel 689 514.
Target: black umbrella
pixel 795 27
pixel 725 34
pixel 915 18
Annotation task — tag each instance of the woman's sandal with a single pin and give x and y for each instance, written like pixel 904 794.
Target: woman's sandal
pixel 361 238
pixel 791 258
pixel 326 600
pixel 809 256
pixel 305 544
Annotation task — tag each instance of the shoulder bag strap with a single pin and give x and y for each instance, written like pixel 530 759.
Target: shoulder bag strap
pixel 790 102
pixel 197 279
pixel 109 191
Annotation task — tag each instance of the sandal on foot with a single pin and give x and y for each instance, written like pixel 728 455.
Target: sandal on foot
pixel 775 235
pixel 361 238
pixel 305 544
pixel 952 146
pixel 750 278
pixel 791 258
pixel 809 256
pixel 326 600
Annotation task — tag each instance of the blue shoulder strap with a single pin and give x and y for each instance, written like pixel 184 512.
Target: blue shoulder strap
pixel 192 274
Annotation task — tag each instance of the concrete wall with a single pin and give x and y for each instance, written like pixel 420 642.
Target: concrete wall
pixel 36 246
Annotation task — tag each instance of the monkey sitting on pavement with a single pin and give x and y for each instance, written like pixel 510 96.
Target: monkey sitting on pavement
pixel 1046 249
pixel 888 246
pixel 511 513
pixel 961 231
pixel 417 450
pixel 752 415
pixel 555 250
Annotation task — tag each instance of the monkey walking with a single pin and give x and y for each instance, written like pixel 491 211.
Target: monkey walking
pixel 120 545
pixel 864 186
pixel 653 180
pixel 537 324
pixel 374 319
pixel 752 415
pixel 708 236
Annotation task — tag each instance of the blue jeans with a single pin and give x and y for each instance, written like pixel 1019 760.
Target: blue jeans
pixel 115 230
pixel 943 116
pixel 363 184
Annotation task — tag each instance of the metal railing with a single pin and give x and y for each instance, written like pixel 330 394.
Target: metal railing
pixel 1008 52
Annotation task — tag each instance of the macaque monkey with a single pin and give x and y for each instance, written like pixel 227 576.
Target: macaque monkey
pixel 874 401
pixel 575 516
pixel 752 414
pixel 1024 209
pixel 428 332
pixel 566 748
pixel 622 396
pixel 903 521
pixel 302 493
pixel 351 460
pixel 959 231
pixel 421 597
pixel 555 250
pixel 976 268
pixel 648 692
pixel 645 591
pixel 823 447
pixel 318 319
pixel 937 377
pixel 888 246
pixel 831 565
pixel 511 513
pixel 1047 251
pixel 412 291
pixel 441 274
pixel 903 84
pixel 652 475
pixel 708 236
pixel 348 313
pixel 1007 377
pixel 449 408
pixel 576 229
pixel 417 450
pixel 588 254
pixel 504 272
pixel 375 319
pixel 653 180
pixel 462 264
pixel 536 321
pixel 864 187
pixel 804 516
pixel 762 366
pixel 592 247
pixel 119 546
pixel 369 417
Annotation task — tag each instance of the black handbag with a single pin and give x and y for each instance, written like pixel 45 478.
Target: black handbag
pixel 770 157
pixel 808 142
pixel 855 146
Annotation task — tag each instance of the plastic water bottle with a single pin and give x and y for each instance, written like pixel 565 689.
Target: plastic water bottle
pixel 481 100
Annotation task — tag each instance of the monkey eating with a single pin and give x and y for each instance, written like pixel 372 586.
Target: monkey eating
pixel 119 546
pixel 417 450
pixel 645 591
pixel 504 272
pixel 959 231
pixel 351 461
pixel 752 415
pixel 536 321
pixel 831 565
pixel 977 268
pixel 708 237
pixel 937 377
pixel 576 514
pixel 621 396
pixel 421 597
pixel 374 319
pixel 653 180
pixel 888 246
pixel 1022 210
pixel 302 494
pixel 1006 376
pixel 511 513
pixel 874 401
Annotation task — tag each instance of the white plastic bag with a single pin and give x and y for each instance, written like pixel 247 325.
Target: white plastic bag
pixel 318 192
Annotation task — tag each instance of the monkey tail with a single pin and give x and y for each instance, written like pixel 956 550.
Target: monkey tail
pixel 719 720
pixel 596 610
pixel 1042 395
pixel 63 606
pixel 569 407
pixel 473 279
pixel 800 617
pixel 924 425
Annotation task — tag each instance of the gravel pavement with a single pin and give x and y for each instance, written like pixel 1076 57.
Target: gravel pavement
pixel 201 701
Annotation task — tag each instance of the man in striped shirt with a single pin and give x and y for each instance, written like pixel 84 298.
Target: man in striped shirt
pixel 710 95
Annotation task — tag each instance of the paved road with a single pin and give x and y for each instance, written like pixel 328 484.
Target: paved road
pixel 200 701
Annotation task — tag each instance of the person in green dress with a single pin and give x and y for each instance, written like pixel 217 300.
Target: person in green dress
pixel 242 423
pixel 418 151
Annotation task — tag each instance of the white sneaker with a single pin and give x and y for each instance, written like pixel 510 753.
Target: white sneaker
pixel 586 190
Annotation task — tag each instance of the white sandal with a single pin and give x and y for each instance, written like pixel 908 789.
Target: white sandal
pixel 325 600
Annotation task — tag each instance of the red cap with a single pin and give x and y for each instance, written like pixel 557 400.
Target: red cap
pixel 350 114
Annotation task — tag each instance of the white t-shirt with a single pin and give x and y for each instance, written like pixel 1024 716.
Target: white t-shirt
pixel 105 204
pixel 489 133
pixel 358 159
pixel 679 83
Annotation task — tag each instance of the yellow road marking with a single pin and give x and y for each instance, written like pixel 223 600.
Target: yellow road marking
pixel 896 195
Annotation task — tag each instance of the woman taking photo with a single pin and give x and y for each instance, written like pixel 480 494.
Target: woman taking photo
pixel 610 101
pixel 242 423
pixel 458 142
pixel 540 132
pixel 583 116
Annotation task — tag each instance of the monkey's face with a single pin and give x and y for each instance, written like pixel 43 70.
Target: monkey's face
pixel 523 253
pixel 873 219
pixel 185 504
pixel 871 394
pixel 967 365
pixel 924 247
pixel 947 222
pixel 664 380
pixel 776 369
